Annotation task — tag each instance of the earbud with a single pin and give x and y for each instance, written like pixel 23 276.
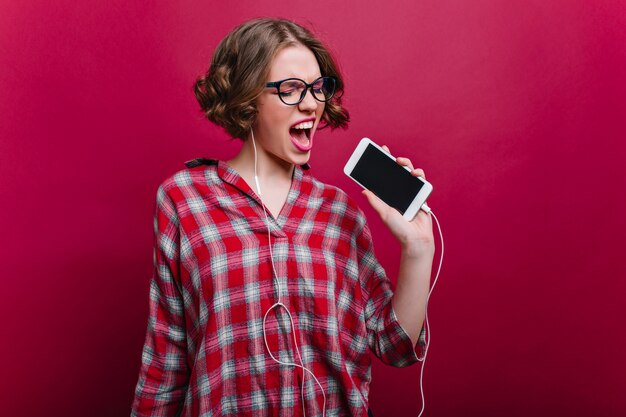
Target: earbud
pixel 258 186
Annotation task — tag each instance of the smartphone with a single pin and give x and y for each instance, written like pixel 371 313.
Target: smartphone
pixel 374 169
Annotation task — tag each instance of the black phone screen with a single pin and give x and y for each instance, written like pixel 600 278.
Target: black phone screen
pixel 384 177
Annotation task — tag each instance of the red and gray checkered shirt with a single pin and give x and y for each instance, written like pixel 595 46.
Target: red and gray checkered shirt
pixel 204 352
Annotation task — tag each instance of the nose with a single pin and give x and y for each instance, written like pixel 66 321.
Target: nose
pixel 308 103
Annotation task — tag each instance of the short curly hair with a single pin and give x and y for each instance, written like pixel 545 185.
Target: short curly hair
pixel 227 93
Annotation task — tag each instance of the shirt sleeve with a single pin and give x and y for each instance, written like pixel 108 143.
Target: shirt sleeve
pixel 386 337
pixel 164 373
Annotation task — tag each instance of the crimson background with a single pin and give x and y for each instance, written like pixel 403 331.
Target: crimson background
pixel 515 109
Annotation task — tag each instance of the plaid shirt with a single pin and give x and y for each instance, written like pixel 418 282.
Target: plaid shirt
pixel 204 352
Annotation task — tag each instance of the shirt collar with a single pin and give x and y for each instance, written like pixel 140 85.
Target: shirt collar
pixel 232 177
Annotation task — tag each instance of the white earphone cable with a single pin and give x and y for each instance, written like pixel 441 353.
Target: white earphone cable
pixel 427 325
pixel 279 303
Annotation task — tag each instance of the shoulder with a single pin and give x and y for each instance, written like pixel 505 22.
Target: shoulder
pixel 188 187
pixel 198 172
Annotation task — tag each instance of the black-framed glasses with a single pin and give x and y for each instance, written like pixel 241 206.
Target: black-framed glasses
pixel 291 91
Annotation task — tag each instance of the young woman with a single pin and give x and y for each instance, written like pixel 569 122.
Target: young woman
pixel 266 295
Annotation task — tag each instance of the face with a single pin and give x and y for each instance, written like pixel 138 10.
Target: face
pixel 278 128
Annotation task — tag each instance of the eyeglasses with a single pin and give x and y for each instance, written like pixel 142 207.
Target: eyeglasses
pixel 291 91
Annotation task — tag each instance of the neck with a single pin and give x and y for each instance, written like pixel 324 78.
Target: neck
pixel 268 166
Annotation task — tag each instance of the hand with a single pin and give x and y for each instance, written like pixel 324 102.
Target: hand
pixel 415 236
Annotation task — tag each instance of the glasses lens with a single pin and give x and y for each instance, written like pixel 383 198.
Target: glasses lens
pixel 324 88
pixel 291 91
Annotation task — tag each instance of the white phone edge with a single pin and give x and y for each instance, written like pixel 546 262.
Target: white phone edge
pixel 419 199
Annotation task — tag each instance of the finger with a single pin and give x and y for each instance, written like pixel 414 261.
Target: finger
pixel 406 162
pixel 386 149
pixel 418 172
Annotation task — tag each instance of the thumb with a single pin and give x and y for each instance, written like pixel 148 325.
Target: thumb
pixel 375 202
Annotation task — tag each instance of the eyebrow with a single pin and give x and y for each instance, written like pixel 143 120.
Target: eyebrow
pixel 295 76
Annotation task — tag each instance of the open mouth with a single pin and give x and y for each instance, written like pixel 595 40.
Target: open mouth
pixel 301 135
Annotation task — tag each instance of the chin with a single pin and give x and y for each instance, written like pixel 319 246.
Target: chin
pixel 291 158
pixel 301 159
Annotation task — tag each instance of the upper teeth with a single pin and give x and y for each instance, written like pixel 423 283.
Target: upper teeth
pixel 304 125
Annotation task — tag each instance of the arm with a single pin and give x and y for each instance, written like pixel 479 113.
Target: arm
pixel 163 376
pixel 409 300
pixel 387 337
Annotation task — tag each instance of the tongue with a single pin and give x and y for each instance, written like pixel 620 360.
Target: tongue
pixel 299 135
